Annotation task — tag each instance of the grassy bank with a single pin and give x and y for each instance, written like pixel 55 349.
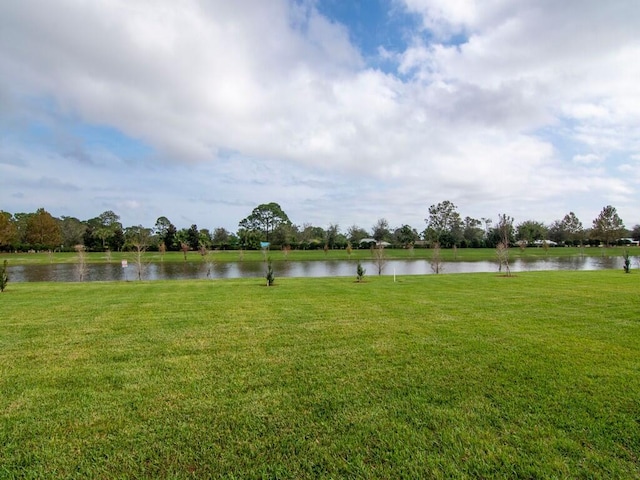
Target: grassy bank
pixel 447 376
pixel 460 254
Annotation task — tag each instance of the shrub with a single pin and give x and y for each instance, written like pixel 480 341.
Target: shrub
pixel 4 277
pixel 270 276
pixel 360 272
pixel 627 261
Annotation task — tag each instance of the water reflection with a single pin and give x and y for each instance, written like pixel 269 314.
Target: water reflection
pixel 284 268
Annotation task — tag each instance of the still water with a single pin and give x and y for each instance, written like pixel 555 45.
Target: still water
pixel 332 268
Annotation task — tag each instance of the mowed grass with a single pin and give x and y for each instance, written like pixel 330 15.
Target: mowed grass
pixel 447 254
pixel 439 376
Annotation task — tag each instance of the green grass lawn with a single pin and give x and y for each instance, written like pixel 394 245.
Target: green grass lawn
pixel 438 376
pixel 460 254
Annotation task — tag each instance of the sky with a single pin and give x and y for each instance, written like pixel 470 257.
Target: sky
pixel 343 112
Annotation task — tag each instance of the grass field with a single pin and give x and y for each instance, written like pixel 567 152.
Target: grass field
pixel 439 376
pixel 462 254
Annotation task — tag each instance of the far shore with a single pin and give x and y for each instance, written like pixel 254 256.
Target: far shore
pixel 447 255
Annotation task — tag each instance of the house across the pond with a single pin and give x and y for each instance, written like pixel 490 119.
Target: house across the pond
pixel 372 241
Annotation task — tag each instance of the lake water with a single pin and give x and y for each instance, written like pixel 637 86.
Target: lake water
pixel 332 268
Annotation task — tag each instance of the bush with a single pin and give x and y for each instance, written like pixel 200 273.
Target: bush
pixel 4 277
pixel 360 272
pixel 270 276
pixel 627 261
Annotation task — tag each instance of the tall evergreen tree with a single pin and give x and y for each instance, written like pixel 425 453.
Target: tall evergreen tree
pixel 607 226
pixel 265 218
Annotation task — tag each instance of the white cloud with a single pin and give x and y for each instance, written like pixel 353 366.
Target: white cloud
pixel 445 18
pixel 588 159
pixel 572 59
pixel 308 122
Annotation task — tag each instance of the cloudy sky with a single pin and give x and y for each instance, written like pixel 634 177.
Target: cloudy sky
pixel 341 111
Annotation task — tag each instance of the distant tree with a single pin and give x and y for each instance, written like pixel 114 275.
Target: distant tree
pixel 355 234
pixel 165 232
pixel 557 233
pixel 331 235
pixel 89 239
pixel 405 236
pixel 181 237
pixel 444 224
pixel 573 227
pixel 220 238
pixel 108 229
pixel 137 234
pixel 567 230
pixel 72 231
pixel 43 230
pixel 472 232
pixel 265 218
pixel 8 231
pixel 380 231
pixel 161 226
pixel 487 227
pixel 310 237
pixel 304 235
pixel 341 240
pixel 20 221
pixel 249 239
pixel 204 238
pixel 170 238
pixel 234 241
pixel 502 232
pixel 284 234
pixel 635 233
pixel 318 234
pixel 117 240
pixel 193 237
pixel 607 226
pixel 530 230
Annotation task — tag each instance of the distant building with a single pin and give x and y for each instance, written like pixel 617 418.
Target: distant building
pixel 549 243
pixel 368 241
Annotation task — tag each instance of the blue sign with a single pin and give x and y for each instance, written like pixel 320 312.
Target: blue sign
pixel 265 244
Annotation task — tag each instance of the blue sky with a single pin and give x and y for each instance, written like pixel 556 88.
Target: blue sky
pixel 372 25
pixel 342 112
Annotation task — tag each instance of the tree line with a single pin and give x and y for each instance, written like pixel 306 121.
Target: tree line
pixel 268 223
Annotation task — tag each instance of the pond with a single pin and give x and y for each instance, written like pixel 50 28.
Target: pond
pixel 329 268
